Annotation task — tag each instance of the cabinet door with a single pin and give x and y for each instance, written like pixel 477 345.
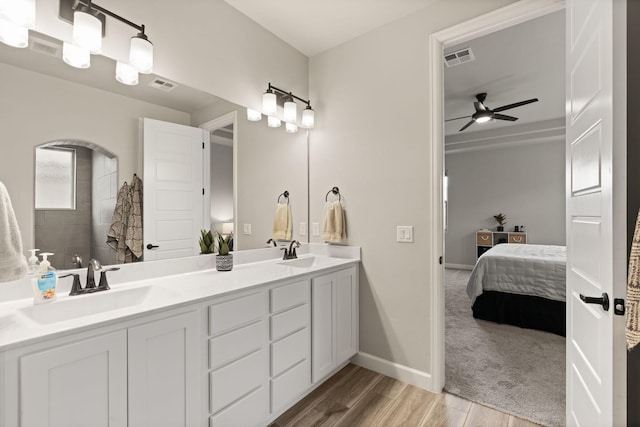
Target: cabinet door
pixel 164 377
pixel 323 350
pixel 76 385
pixel 346 299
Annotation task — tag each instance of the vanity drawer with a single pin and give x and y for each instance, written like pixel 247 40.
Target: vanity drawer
pixel 238 379
pixel 289 351
pixel 233 345
pixel 517 238
pixel 484 238
pixel 290 385
pixel 289 321
pixel 236 312
pixel 287 296
pixel 251 410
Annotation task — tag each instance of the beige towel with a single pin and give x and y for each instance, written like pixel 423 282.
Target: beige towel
pixel 335 224
pixel 13 264
pixel 633 290
pixel 282 225
pixel 133 235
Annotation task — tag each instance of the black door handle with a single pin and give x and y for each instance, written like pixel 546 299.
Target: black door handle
pixel 150 246
pixel 603 301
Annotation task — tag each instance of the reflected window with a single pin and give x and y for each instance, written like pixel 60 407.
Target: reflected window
pixel 55 178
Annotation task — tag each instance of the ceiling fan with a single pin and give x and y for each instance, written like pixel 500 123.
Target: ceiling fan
pixel 484 114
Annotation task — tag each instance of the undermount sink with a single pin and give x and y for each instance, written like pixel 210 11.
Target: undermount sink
pixel 96 303
pixel 300 262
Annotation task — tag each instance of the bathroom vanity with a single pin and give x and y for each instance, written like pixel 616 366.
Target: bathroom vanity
pixel 188 347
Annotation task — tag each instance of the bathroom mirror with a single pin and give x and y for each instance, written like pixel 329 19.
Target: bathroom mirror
pixel 44 100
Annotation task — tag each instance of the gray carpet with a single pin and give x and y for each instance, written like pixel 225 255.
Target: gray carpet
pixel 518 371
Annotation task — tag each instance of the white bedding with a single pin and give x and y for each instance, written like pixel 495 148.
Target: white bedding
pixel 537 270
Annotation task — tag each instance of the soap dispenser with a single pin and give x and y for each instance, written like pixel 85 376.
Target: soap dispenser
pixel 47 279
pixel 32 262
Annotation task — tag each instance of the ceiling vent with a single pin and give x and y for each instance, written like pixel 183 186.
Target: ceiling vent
pixel 45 46
pixel 459 57
pixel 163 84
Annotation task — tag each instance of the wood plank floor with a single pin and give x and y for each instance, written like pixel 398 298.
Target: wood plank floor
pixel 356 396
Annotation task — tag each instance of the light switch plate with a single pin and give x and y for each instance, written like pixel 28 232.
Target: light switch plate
pixel 404 233
pixel 303 229
pixel 315 228
pixel 247 229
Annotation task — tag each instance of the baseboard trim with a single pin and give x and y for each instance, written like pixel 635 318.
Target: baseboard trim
pixel 395 370
pixel 459 266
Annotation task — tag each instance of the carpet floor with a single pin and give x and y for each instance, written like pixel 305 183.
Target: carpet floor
pixel 515 370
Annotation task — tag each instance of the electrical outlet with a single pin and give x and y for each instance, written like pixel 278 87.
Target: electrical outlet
pixel 247 229
pixel 404 233
pixel 315 227
pixel 303 229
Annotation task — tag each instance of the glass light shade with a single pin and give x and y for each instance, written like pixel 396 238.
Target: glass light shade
pixel 291 127
pixel 20 12
pixel 253 115
pixel 126 74
pixel 482 118
pixel 290 111
pixel 308 118
pixel 87 31
pixel 141 54
pixel 269 105
pixel 273 122
pixel 13 34
pixel 76 56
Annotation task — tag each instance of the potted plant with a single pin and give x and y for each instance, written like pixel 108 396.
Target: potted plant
pixel 224 259
pixel 207 244
pixel 502 220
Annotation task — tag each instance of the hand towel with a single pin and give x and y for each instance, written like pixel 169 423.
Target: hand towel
pixel 13 264
pixel 133 235
pixel 116 235
pixel 282 225
pixel 335 224
pixel 633 290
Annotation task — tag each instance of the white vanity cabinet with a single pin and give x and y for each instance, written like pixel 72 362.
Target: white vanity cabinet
pixel 335 321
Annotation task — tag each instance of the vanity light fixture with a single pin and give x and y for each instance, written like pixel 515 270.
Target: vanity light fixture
pixel 76 56
pixel 270 100
pixel 16 18
pixel 126 74
pixel 87 28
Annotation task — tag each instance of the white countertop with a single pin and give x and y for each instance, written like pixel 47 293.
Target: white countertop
pixel 22 322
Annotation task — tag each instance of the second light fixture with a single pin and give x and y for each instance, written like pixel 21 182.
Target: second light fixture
pixel 290 110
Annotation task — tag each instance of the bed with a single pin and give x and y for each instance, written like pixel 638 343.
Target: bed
pixel 521 285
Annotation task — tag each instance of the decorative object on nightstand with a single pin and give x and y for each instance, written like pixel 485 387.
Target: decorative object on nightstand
pixel 486 239
pixel 502 220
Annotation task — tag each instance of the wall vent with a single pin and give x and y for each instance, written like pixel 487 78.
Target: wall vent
pixel 45 46
pixel 459 57
pixel 163 84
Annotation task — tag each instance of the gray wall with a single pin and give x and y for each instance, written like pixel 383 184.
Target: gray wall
pixel 524 182
pixel 105 191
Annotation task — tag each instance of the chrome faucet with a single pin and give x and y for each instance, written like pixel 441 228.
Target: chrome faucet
pixel 291 253
pixel 275 245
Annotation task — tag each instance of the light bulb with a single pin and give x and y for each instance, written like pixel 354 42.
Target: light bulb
pixel 13 34
pixel 141 54
pixel 290 128
pixel 20 12
pixel 269 105
pixel 290 111
pixel 308 119
pixel 253 115
pixel 126 74
pixel 87 30
pixel 273 122
pixel 76 56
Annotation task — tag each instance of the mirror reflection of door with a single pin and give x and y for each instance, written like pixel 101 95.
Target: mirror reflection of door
pixel 75 194
pixel 221 180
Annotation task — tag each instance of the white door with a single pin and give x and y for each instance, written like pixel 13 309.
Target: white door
pixel 596 233
pixel 173 189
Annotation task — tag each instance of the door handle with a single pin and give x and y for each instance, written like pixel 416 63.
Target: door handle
pixel 150 246
pixel 603 301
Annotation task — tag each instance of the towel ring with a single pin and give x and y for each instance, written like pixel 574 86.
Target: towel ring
pixel 286 196
pixel 335 191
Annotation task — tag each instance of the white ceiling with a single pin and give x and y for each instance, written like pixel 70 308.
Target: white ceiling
pixel 521 62
pixel 313 26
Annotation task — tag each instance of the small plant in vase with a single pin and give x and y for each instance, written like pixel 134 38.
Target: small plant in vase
pixel 502 220
pixel 224 259
pixel 207 244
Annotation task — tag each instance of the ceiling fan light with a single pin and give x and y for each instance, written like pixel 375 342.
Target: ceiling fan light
pixel 126 74
pixel 253 115
pixel 87 30
pixel 269 105
pixel 76 56
pixel 308 118
pixel 290 111
pixel 483 119
pixel 273 122
pixel 13 35
pixel 141 54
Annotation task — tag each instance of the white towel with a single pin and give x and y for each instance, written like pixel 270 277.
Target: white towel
pixel 282 225
pixel 13 264
pixel 335 224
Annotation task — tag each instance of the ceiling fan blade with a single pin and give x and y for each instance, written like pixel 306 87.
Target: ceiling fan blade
pixel 517 104
pixel 467 125
pixel 505 117
pixel 457 118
